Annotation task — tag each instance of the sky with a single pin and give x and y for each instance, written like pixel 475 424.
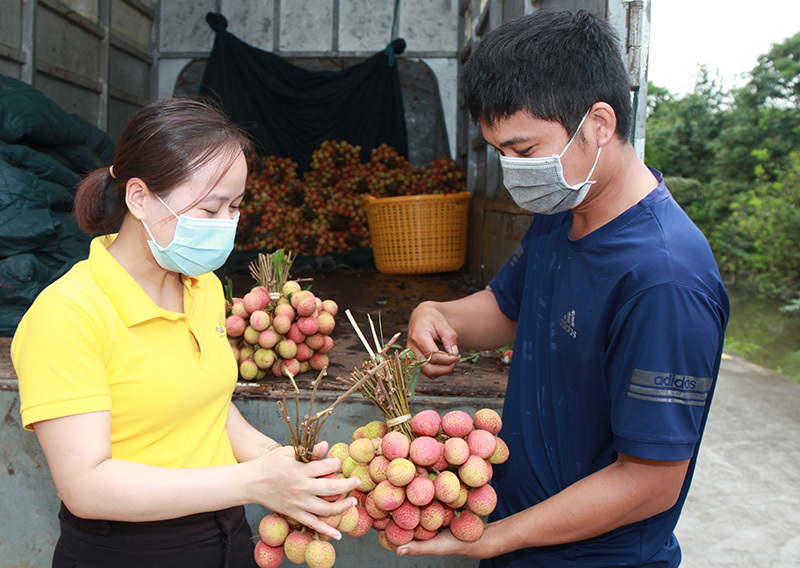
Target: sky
pixel 725 35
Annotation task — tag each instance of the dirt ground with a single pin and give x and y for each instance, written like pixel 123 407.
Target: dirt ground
pixel 389 299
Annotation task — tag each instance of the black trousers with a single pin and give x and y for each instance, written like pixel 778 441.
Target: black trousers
pixel 205 540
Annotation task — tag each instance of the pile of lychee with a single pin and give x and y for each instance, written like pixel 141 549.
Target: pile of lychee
pixel 280 334
pixel 412 488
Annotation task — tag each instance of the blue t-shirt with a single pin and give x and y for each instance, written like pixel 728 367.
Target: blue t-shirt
pixel 618 346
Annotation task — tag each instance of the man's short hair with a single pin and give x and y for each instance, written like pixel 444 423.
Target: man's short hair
pixel 553 64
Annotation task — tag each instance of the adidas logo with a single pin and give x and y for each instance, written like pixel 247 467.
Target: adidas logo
pixel 568 323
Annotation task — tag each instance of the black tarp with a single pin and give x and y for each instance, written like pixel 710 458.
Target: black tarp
pixel 290 111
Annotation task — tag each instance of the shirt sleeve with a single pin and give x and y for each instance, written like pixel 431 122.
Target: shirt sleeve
pixel 58 355
pixel 663 358
pixel 508 284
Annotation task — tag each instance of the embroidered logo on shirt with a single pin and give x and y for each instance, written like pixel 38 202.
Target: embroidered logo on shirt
pixel 669 387
pixel 568 324
pixel 220 328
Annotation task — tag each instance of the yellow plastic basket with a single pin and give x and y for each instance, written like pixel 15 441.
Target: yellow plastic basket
pixel 418 234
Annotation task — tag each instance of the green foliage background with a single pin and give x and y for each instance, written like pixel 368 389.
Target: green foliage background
pixel 732 161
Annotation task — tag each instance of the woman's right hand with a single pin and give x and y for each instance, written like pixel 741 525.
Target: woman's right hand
pixel 297 489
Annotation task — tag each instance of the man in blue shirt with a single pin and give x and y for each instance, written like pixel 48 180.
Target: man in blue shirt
pixel 614 303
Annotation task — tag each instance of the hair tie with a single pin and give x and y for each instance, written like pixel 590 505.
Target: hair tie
pixel 111 171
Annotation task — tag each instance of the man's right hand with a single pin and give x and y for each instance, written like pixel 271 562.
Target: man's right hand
pixel 427 328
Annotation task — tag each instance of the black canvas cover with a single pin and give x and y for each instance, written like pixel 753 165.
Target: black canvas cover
pixel 290 111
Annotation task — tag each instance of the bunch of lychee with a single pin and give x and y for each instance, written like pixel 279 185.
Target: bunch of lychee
pixel 412 488
pixel 288 333
pixel 282 537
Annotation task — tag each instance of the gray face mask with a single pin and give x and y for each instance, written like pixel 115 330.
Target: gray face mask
pixel 538 184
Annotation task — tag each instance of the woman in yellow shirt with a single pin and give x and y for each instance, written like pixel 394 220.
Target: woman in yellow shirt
pixel 125 371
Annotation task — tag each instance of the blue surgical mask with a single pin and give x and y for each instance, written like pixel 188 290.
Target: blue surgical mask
pixel 199 245
pixel 538 184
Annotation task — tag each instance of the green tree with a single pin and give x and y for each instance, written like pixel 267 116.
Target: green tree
pixel 762 127
pixel 681 131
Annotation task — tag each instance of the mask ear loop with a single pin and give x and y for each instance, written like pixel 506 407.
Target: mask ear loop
pixel 146 228
pixel 596 158
pixel 564 151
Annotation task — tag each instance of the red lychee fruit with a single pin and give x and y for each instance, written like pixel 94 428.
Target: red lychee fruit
pixel 308 325
pixel 475 472
pixel 420 491
pixel 362 450
pixel 406 516
pixel 363 524
pixel 295 546
pixel 375 429
pixel 285 309
pixel 327 345
pixel 395 445
pixel 426 423
pixel 456 451
pixel 481 443
pixel 380 524
pixel 281 324
pixel 489 420
pixel 425 450
pixel 248 369
pixel 500 454
pixel 264 358
pixel 325 323
pixel 253 301
pixel 398 535
pixel 320 554
pixel 304 352
pixel 467 526
pixel 273 529
pixel 268 339
pixel 318 361
pixel 268 556
pixel 290 287
pixel 446 486
pixel 421 533
pixel 431 516
pixel 457 424
pixel 387 496
pixel 348 520
pixel 461 500
pixel 361 472
pixel 384 541
pixel 330 306
pixel 259 319
pixel 482 500
pixel 250 335
pixel 316 341
pixel 235 326
pixel 290 366
pixel 400 472
pixel 377 468
pixel 295 334
pixel 372 509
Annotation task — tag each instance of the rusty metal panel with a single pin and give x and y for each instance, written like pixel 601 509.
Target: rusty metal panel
pixel 130 75
pixel 65 46
pixel 72 98
pixel 11 24
pixel 131 23
pixel 119 114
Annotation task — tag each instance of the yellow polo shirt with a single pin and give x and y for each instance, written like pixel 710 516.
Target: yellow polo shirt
pixel 94 340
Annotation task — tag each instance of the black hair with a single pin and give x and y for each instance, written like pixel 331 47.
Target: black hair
pixel 164 144
pixel 552 64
